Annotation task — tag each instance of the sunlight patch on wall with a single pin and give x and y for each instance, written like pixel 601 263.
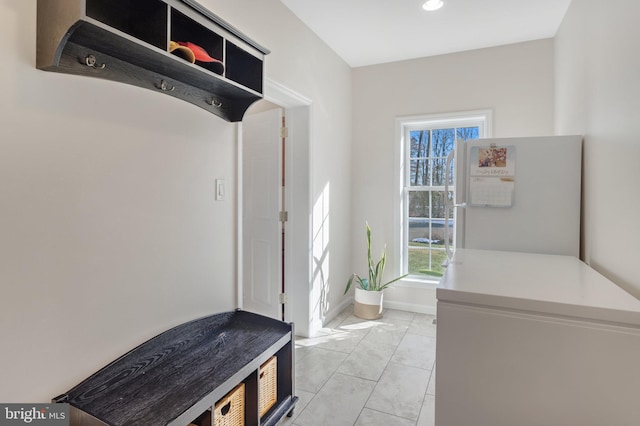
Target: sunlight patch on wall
pixel 321 278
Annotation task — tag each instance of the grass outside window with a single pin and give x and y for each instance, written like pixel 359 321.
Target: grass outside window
pixel 426 260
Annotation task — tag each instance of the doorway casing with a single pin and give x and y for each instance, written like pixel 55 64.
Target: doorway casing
pixel 298 263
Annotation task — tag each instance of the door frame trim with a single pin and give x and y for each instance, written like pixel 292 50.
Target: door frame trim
pixel 298 203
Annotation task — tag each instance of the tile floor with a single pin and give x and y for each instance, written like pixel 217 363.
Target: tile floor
pixel 361 372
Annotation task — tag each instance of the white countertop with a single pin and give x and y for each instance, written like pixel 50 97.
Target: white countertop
pixel 552 284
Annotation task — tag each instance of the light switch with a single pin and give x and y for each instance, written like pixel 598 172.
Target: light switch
pixel 219 189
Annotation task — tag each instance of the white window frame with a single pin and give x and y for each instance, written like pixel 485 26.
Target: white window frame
pixel 481 118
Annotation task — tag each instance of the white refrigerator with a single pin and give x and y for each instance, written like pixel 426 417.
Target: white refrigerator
pixel 527 334
pixel 517 194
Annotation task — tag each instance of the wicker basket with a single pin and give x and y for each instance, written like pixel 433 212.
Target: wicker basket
pixel 229 411
pixel 267 385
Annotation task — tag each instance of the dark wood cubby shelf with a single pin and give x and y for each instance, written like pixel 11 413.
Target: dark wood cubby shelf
pixel 179 375
pixel 129 41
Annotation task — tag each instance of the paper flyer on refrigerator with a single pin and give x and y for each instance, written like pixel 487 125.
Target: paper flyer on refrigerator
pixel 492 176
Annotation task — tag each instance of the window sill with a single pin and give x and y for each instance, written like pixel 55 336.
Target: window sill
pixel 418 282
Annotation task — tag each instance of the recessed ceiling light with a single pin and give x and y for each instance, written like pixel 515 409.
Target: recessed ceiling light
pixel 432 5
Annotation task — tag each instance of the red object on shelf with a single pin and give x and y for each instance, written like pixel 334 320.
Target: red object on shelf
pixel 203 58
pixel 200 54
pixel 182 51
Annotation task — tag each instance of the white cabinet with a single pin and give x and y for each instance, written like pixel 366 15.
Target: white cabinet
pixel 533 340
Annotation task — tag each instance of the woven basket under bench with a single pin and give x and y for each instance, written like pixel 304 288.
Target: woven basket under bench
pixel 268 385
pixel 229 411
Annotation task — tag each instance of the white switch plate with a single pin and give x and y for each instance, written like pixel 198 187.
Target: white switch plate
pixel 220 189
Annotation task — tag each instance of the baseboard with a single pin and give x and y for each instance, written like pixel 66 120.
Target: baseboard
pixel 332 313
pixel 410 307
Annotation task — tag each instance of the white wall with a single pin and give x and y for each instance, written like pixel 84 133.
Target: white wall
pixel 306 65
pixel 515 81
pixel 110 232
pixel 598 95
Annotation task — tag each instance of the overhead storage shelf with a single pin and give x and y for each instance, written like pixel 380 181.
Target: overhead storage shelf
pixel 176 47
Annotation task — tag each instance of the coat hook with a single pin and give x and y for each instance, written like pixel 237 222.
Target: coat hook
pixel 213 102
pixel 166 87
pixel 91 61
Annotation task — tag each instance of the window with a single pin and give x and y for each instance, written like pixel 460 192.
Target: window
pixel 425 143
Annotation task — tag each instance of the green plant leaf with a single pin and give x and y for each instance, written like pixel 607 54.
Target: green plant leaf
pixel 376 270
pixel 349 283
pixel 364 283
pixel 369 244
pixel 392 281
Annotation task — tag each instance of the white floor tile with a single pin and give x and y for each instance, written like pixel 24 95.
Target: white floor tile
pixel 300 349
pixel 368 360
pixel 400 391
pixel 401 315
pixel 316 367
pixel 352 322
pixel 427 414
pixel 338 403
pixel 336 372
pixel 370 417
pixel 431 389
pixel 303 400
pixel 341 340
pixel 335 322
pixel 388 333
pixel 416 351
pixel 423 324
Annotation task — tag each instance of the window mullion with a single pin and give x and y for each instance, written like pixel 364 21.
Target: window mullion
pixel 424 193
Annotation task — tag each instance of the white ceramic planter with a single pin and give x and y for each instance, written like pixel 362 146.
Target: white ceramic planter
pixel 368 304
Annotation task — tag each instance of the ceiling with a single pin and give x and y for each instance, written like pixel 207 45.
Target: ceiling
pixel 367 32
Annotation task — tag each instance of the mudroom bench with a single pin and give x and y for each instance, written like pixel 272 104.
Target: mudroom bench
pixel 236 364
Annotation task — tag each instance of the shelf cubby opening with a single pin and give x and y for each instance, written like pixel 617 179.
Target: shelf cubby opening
pixel 203 419
pixel 251 400
pixel 145 20
pixel 244 68
pixel 186 30
pixel 285 375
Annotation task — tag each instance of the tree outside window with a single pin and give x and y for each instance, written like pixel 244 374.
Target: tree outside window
pixel 427 145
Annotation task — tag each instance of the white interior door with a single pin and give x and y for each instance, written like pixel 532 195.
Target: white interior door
pixel 262 201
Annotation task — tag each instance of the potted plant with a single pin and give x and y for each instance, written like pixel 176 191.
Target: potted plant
pixel 369 292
